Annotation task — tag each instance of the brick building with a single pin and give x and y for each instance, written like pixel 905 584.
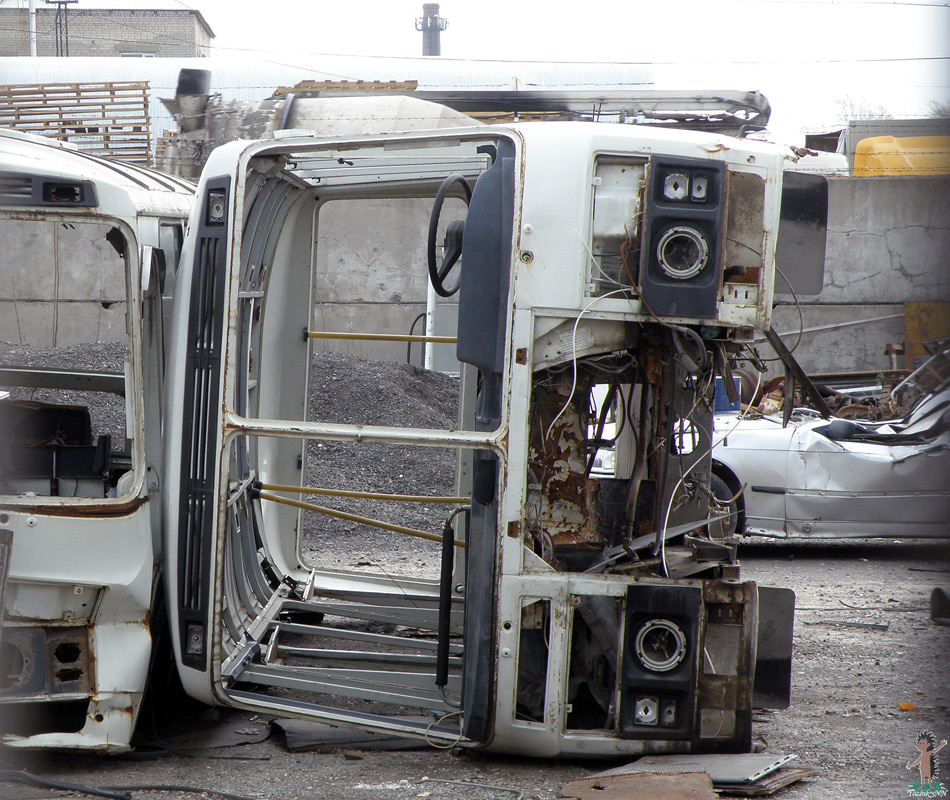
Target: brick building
pixel 104 32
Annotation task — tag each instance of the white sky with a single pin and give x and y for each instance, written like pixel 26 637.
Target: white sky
pixel 802 54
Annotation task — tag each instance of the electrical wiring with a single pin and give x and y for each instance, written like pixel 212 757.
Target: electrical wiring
pixel 593 261
pixel 798 305
pixel 791 289
pixel 696 461
pixel 607 404
pixel 697 340
pixel 593 85
pixel 439 721
pixel 574 356
pixel 666 519
pixel 609 364
pixel 17 776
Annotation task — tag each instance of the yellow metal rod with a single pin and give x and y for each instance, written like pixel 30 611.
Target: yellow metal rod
pixel 331 512
pixel 381 337
pixel 398 498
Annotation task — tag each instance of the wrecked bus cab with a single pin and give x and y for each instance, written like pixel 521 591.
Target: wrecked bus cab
pixel 604 275
pixel 89 248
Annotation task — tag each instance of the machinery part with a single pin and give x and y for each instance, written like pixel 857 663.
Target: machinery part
pixel 453 237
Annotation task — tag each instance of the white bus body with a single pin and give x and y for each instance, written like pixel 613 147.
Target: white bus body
pixel 577 613
pixel 89 248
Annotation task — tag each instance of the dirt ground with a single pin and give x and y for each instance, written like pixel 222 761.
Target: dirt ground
pixel 845 721
pixel 849 683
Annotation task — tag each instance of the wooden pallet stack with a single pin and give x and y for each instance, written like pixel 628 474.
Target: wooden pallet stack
pixel 370 87
pixel 108 119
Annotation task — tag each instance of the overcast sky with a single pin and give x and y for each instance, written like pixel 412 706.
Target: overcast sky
pixel 802 54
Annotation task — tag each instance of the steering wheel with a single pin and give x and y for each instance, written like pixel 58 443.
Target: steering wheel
pixel 453 237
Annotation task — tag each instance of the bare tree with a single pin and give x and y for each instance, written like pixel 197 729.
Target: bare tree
pixel 939 109
pixel 850 107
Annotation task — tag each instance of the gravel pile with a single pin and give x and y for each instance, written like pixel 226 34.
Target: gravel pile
pixel 344 389
pixel 350 390
pixel 106 410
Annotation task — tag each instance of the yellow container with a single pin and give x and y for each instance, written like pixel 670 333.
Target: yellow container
pixel 910 155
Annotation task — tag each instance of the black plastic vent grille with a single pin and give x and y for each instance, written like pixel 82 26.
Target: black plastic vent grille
pixel 199 437
pixel 15 191
pixel 19 189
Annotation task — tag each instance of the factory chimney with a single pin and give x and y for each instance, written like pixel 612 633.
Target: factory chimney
pixel 431 25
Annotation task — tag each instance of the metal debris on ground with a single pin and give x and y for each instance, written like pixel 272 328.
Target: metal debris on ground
pixel 519 795
pixel 840 623
pixel 304 735
pixel 691 784
pixel 772 783
pixel 744 774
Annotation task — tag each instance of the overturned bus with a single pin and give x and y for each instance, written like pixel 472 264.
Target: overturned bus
pixel 590 282
pixel 605 274
pixel 90 246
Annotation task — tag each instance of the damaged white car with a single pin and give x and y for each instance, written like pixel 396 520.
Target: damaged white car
pixel 840 478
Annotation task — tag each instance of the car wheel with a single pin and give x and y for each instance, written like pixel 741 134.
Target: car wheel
pixel 725 497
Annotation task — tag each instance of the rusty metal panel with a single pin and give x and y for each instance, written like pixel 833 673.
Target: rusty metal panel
pixel 643 786
pixel 558 451
pixel 46 662
pixel 725 681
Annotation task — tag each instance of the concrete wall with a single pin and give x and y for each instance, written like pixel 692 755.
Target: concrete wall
pixel 360 287
pixel 108 32
pixel 888 243
pixel 63 284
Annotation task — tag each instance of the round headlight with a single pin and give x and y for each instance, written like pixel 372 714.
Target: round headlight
pixel 682 252
pixel 660 645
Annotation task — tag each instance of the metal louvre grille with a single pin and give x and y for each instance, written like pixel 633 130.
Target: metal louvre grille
pixel 199 456
pixel 199 434
pixel 15 190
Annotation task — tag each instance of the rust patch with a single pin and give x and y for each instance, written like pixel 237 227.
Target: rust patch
pixel 77 511
pixel 654 357
pixel 94 509
pixel 730 607
pixel 48 662
pixel 558 453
